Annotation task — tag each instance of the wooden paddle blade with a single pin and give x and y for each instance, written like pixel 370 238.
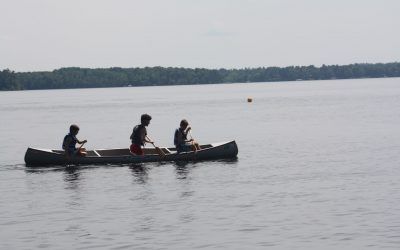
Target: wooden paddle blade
pixel 160 152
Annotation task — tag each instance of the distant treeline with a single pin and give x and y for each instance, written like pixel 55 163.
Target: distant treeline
pixel 159 76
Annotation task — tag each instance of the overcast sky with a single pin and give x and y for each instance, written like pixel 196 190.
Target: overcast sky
pixel 49 34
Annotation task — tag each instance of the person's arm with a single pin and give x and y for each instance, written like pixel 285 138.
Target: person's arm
pixel 144 137
pixel 81 142
pixel 148 140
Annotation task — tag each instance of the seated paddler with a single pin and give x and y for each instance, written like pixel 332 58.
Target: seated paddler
pixel 70 141
pixel 181 142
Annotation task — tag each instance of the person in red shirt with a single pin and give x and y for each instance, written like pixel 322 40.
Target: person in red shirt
pixel 139 135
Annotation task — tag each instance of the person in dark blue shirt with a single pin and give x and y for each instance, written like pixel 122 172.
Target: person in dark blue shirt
pixel 70 141
pixel 181 141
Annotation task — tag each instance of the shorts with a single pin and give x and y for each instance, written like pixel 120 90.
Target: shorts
pixel 187 147
pixel 136 149
pixel 75 152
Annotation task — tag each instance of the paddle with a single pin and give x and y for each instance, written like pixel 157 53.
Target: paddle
pixel 79 149
pixel 196 147
pixel 190 134
pixel 81 145
pixel 159 150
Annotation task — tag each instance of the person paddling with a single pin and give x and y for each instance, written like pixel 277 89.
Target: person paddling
pixel 70 141
pixel 181 142
pixel 139 135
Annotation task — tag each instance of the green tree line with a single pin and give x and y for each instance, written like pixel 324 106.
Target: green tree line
pixel 8 80
pixel 75 77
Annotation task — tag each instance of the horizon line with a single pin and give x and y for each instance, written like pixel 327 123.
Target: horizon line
pixel 221 68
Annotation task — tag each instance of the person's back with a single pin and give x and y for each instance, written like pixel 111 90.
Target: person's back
pixel 136 136
pixel 139 135
pixel 69 144
pixel 180 137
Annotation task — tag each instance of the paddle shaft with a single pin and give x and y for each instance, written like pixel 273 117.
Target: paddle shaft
pixel 196 147
pixel 81 146
pixel 190 134
pixel 159 150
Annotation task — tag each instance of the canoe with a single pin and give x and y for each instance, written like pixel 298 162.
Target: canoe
pixel 42 157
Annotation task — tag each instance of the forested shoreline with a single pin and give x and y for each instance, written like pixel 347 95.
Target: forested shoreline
pixel 74 77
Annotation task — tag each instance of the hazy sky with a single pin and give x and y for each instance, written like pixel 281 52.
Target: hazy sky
pixel 49 34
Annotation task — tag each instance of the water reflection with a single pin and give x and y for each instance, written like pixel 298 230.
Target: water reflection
pixel 70 174
pixel 72 177
pixel 182 169
pixel 140 173
pixel 40 170
pixel 229 161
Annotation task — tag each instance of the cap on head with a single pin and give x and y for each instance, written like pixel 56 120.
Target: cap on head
pixel 73 128
pixel 145 117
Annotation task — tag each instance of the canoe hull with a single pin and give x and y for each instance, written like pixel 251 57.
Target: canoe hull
pixel 44 157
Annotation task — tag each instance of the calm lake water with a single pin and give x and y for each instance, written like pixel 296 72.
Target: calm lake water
pixel 318 168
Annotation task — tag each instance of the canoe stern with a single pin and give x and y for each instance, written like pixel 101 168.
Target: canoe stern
pixel 35 156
